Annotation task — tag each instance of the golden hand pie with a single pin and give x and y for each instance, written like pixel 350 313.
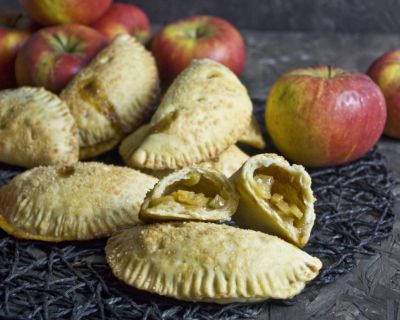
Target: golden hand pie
pixel 228 162
pixel 207 262
pixel 111 96
pixel 253 136
pixel 81 202
pixel 191 194
pixel 275 198
pixel 36 128
pixel 204 111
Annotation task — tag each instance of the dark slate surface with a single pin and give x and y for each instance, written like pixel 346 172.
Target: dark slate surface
pixel 278 15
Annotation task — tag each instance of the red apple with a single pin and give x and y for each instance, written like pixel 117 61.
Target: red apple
pixel 52 56
pixel 51 12
pixel 14 31
pixel 197 37
pixel 325 116
pixel 124 18
pixel 385 71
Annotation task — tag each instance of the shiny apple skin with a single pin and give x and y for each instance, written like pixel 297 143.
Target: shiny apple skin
pixel 53 55
pixel 197 37
pixel 385 71
pixel 54 12
pixel 124 18
pixel 15 29
pixel 324 116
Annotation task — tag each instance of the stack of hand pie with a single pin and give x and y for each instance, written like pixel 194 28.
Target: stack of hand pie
pixel 164 238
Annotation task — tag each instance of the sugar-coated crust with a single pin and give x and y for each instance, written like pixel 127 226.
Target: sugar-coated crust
pixel 85 201
pixel 204 111
pixel 36 128
pixel 207 262
pixel 125 76
pixel 256 213
pixel 216 184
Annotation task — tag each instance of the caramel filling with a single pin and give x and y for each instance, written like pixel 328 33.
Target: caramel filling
pixel 92 91
pixel 164 123
pixel 190 194
pixel 281 191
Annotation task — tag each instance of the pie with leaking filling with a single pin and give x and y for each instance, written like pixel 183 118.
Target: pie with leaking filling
pixel 112 95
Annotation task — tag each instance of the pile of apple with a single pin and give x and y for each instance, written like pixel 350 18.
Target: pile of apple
pixel 55 39
pixel 315 116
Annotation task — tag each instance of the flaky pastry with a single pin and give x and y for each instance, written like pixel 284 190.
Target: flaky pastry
pixel 84 201
pixel 207 262
pixel 111 96
pixel 36 128
pixel 204 111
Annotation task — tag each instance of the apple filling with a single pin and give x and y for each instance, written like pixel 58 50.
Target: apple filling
pixel 92 91
pixel 164 123
pixel 281 190
pixel 193 192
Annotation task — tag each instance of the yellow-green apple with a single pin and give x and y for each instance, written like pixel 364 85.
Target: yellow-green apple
pixel 53 55
pixel 197 37
pixel 124 18
pixel 385 71
pixel 14 31
pixel 324 116
pixel 52 12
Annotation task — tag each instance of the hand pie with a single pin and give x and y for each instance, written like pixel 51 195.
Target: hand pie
pixel 275 198
pixel 228 162
pixel 81 202
pixel 111 96
pixel 36 128
pixel 204 111
pixel 207 262
pixel 191 194
pixel 253 136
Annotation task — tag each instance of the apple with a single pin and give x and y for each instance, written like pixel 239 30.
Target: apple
pixel 124 18
pixel 385 71
pixel 197 37
pixel 324 116
pixel 52 12
pixel 53 55
pixel 14 31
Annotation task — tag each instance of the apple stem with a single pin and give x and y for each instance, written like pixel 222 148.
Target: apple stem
pixel 329 71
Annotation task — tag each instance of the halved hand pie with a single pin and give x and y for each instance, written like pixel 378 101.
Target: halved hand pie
pixel 191 194
pixel 253 136
pixel 36 128
pixel 204 111
pixel 81 202
pixel 111 96
pixel 275 198
pixel 207 262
